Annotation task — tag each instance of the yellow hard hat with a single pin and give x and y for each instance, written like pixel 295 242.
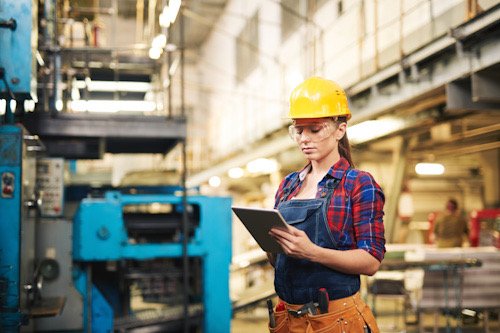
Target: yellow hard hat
pixel 318 98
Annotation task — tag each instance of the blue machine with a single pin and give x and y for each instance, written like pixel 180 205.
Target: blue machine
pixel 18 40
pixel 117 228
pixel 16 247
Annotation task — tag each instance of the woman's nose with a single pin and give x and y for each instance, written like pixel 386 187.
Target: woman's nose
pixel 304 137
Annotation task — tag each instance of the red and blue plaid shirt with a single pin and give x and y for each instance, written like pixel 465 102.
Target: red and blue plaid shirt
pixel 355 211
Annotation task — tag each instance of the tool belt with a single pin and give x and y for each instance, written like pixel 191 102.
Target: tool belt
pixel 349 315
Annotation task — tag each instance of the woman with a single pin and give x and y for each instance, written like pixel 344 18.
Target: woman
pixel 335 213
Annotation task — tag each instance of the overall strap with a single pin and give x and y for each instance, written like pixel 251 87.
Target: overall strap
pixel 288 189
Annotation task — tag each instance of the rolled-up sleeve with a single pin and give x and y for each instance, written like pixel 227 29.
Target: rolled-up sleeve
pixel 368 215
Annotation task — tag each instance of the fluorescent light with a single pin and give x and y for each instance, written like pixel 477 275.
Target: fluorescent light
pixel 173 9
pixel 214 181
pixel 154 53
pixel 29 105
pixel 262 165
pixel 164 18
pixel 372 129
pixel 429 169
pixel 169 13
pixel 131 86
pixel 159 41
pixel 174 65
pixel 59 105
pixel 112 106
pixel 235 173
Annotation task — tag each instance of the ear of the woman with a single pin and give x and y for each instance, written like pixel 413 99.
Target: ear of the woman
pixel 341 129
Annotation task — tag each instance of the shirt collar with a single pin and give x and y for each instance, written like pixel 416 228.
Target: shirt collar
pixel 336 171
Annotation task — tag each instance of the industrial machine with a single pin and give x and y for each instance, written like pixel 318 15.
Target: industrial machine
pixel 118 262
pixel 127 250
pixel 18 203
pixel 89 260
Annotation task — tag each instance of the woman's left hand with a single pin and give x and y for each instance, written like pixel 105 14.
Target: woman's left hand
pixel 294 242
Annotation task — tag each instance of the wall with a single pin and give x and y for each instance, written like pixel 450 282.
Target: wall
pixel 345 47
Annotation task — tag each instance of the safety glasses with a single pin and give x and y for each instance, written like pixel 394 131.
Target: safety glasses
pixel 314 132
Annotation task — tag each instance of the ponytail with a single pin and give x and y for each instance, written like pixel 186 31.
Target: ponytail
pixel 344 146
pixel 345 149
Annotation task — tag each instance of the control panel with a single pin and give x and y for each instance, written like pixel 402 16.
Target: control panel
pixel 50 183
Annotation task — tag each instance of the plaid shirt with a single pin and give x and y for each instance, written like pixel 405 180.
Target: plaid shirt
pixel 356 216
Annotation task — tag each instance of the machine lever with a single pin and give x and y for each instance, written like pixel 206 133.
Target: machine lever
pixel 9 24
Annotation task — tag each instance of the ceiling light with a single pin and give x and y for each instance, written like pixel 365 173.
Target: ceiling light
pixel 164 18
pixel 29 105
pixel 159 41
pixel 372 129
pixel 429 169
pixel 173 9
pixel 59 105
pixel 131 86
pixel 236 173
pixel 174 65
pixel 262 165
pixel 112 106
pixel 154 53
pixel 169 13
pixel 214 181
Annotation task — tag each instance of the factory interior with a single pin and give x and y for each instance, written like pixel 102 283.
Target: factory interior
pixel 129 129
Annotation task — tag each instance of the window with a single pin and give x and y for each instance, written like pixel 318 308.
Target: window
pixel 292 16
pixel 294 13
pixel 247 48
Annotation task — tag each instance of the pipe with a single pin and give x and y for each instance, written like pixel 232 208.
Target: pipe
pixel 185 219
pixel 139 26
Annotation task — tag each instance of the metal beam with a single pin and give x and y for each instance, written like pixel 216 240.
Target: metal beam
pixel 391 221
pixel 459 97
pixel 486 85
pixel 445 68
pixel 84 136
pixel 105 126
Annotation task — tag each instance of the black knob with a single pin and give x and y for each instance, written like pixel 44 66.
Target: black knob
pixel 9 24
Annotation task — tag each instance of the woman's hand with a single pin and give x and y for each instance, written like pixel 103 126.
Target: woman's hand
pixel 294 242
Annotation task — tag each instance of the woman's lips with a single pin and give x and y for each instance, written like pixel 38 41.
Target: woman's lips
pixel 307 149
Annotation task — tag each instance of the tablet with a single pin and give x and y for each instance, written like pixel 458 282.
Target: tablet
pixel 258 222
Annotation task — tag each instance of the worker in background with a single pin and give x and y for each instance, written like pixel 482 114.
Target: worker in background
pixel 335 214
pixel 450 228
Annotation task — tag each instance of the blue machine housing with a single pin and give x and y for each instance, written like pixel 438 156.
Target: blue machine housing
pixel 11 142
pixel 99 234
pixel 17 46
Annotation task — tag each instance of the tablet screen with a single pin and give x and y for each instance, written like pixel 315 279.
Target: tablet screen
pixel 258 222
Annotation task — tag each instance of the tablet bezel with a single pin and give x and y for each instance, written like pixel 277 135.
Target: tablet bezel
pixel 258 221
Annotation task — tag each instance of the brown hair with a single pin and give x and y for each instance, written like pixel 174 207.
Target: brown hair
pixel 344 146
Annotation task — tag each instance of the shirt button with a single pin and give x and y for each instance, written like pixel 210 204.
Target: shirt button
pixel 323 194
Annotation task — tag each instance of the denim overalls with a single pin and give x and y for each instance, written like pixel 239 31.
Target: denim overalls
pixel 297 281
